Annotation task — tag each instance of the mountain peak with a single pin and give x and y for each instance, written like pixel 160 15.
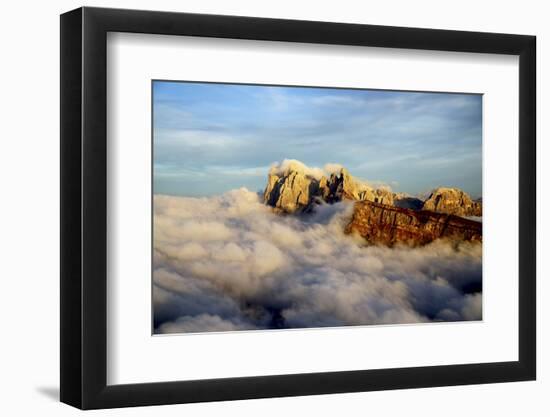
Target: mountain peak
pixel 452 201
pixel 379 216
pixel 292 186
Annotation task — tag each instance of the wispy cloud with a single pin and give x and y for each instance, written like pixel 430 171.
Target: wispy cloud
pixel 391 136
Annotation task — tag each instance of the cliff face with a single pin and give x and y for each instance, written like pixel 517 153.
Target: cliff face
pixel 452 201
pixel 295 191
pixel 388 225
pixel 291 192
pixel 380 216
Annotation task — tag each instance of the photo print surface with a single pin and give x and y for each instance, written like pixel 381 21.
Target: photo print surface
pixel 300 207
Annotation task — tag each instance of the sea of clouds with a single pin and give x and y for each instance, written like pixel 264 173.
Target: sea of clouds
pixel 228 262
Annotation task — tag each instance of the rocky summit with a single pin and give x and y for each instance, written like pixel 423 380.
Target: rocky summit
pixel 452 201
pixel 294 189
pixel 380 216
pixel 383 224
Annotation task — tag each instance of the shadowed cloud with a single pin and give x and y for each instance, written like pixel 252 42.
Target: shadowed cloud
pixel 228 262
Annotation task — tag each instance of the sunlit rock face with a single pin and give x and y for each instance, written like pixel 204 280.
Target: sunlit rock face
pixel 291 192
pixel 452 201
pixel 342 186
pixel 380 216
pixel 294 189
pixel 387 225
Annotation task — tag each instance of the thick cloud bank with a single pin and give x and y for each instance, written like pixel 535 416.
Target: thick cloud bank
pixel 229 263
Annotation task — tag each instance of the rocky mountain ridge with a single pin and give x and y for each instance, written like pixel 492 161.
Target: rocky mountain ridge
pixel 380 215
pixel 388 225
pixel 293 189
pixel 452 201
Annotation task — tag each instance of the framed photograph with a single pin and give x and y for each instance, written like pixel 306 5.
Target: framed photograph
pixel 258 208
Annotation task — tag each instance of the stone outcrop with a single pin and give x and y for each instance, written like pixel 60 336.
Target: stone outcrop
pixel 342 186
pixel 293 190
pixel 388 225
pixel 380 216
pixel 452 201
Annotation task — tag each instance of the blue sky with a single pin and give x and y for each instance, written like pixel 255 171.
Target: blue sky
pixel 211 138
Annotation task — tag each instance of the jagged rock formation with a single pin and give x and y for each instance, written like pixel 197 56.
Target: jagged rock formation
pixel 380 216
pixel 452 201
pixel 388 225
pixel 290 193
pixel 294 190
pixel 340 187
pixel 292 187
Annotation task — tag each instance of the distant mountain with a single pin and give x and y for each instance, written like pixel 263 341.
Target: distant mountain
pixel 293 187
pixel 380 216
pixel 452 201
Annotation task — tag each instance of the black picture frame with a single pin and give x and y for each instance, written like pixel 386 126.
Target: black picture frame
pixel 84 207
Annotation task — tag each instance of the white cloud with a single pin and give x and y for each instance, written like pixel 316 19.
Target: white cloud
pixel 331 168
pixel 228 262
pixel 472 307
pixel 202 323
pixel 289 165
